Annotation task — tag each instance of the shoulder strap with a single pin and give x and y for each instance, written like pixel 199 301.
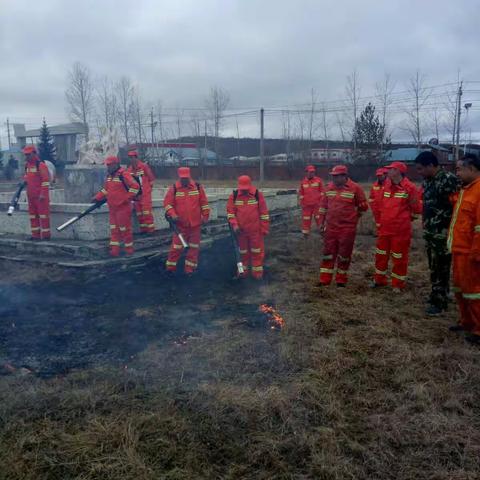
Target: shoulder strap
pixel 256 194
pixel 198 185
pixel 174 186
pixel 235 195
pixel 124 182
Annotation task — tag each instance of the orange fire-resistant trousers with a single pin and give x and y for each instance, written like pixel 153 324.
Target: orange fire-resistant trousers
pixel 337 249
pixel 398 247
pixel 121 229
pixel 466 285
pixel 39 212
pixel 143 208
pixel 192 236
pixel 308 213
pixel 252 251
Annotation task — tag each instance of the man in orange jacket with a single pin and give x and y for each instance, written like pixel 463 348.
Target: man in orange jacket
pixel 186 204
pixel 120 190
pixel 38 182
pixel 143 204
pixel 400 206
pixel 376 194
pixel 247 213
pixel 341 207
pixel 309 197
pixel 464 244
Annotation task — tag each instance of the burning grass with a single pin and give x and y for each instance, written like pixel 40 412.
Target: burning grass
pixel 356 385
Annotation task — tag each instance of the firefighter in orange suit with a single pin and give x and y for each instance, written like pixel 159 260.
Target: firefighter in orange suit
pixel 120 190
pixel 309 197
pixel 376 194
pixel 400 206
pixel 38 182
pixel 341 207
pixel 143 204
pixel 247 212
pixel 186 204
pixel 464 244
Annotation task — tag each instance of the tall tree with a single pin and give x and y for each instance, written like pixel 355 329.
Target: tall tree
pixel 419 96
pixel 107 102
pixel 46 144
pixel 125 93
pixel 370 137
pixel 353 95
pixel 79 94
pixel 216 103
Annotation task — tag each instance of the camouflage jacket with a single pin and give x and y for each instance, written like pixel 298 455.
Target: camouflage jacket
pixel 437 202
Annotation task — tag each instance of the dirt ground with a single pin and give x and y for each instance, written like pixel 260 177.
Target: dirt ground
pixel 135 376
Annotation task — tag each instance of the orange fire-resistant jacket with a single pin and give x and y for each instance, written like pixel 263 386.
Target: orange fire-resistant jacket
pixel 144 173
pixel 249 212
pixel 37 178
pixel 188 204
pixel 310 192
pixel 399 206
pixel 464 232
pixel 341 207
pixel 375 199
pixel 119 188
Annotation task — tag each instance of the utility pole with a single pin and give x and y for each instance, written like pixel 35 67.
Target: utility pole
pixel 8 130
pixel 152 125
pixel 467 106
pixel 262 147
pixel 204 148
pixel 459 113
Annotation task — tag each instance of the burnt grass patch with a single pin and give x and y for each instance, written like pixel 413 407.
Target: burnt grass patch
pixel 139 376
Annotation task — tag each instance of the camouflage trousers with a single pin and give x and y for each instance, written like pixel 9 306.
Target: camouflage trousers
pixel 439 262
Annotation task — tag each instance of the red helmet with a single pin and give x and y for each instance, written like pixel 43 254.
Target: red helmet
pixel 111 160
pixel 184 172
pixel 29 149
pixel 133 153
pixel 339 170
pixel 400 166
pixel 310 168
pixel 244 182
pixel 381 171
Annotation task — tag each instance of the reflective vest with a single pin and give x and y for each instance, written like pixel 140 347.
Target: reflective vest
pixel 37 178
pixel 119 188
pixel 310 192
pixel 248 211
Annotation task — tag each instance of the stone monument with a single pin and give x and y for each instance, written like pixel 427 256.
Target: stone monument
pixel 86 178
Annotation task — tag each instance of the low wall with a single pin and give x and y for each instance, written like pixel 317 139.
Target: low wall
pixel 96 226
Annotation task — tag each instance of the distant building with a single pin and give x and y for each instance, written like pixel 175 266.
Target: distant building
pixel 171 154
pixel 65 137
pixel 409 154
pixel 330 155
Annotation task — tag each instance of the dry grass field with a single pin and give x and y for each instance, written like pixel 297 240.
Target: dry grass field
pixel 357 385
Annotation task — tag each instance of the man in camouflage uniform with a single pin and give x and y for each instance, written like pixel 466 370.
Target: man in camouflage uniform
pixel 439 188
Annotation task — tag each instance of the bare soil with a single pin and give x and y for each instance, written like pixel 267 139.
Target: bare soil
pixel 136 376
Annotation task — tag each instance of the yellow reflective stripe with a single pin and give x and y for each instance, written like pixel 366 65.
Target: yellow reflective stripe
pixel 400 195
pixel 399 277
pixel 331 193
pixel 114 244
pixel 129 244
pixel 306 185
pixel 45 184
pixel 194 245
pixel 143 224
pixel 194 192
pixel 43 216
pixel 343 259
pixel 327 257
pixel 476 228
pixel 171 264
pixel 243 252
pixel 190 264
pixel 168 207
pixel 32 217
pixel 256 250
pixel 180 194
pixel 387 194
pixel 112 227
pixel 146 212
pixel 301 197
pixel 122 229
pixel 347 195
pixel 257 269
pixel 342 272
pixel 133 190
pixel 454 220
pixel 264 217
pixel 115 180
pixel 177 247
pixel 380 272
pixel 44 229
pixel 205 207
pixel 471 296
pixel 238 202
pixel 327 270
pixel 316 184
pixel 380 252
pixel 376 188
pixel 32 170
pixel 252 202
pixel 305 231
pixel 396 255
pixel 323 210
pixel 34 229
pixel 307 218
pixel 230 215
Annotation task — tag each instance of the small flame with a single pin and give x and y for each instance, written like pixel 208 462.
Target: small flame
pixel 275 319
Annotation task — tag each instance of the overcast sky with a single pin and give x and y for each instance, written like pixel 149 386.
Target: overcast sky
pixel 264 53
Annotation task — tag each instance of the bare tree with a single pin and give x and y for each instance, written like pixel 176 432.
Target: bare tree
pixel 353 95
pixel 79 94
pixel 179 114
pixel 420 94
pixel 216 104
pixel 384 92
pixel 325 128
pixel 341 126
pixel 125 92
pixel 311 120
pixel 107 102
pixel 286 131
pixel 137 115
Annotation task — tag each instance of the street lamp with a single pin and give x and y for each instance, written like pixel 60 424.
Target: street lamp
pixel 466 106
